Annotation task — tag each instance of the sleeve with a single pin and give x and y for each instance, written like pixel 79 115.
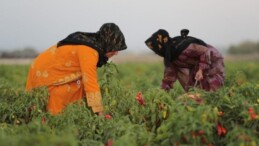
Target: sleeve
pixel 202 53
pixel 88 59
pixel 169 77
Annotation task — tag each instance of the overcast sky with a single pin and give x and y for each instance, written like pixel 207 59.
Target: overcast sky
pixel 41 23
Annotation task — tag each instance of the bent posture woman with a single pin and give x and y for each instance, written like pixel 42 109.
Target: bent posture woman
pixel 69 68
pixel 189 60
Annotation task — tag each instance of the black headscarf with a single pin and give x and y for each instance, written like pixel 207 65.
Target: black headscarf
pixel 109 38
pixel 170 48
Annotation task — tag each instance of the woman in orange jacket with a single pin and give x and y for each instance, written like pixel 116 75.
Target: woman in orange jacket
pixel 69 68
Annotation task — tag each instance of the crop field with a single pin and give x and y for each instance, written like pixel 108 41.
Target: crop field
pixel 137 111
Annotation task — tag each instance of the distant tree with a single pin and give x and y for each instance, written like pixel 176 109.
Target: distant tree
pixel 247 47
pixel 24 53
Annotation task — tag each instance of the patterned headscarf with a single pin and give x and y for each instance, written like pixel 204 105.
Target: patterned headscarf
pixel 170 48
pixel 109 38
pixel 158 41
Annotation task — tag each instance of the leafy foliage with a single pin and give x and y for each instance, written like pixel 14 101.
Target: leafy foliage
pixel 140 113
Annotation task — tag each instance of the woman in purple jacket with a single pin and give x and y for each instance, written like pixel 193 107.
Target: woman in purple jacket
pixel 189 60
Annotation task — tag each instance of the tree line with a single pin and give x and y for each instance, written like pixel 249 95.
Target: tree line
pixel 246 47
pixel 22 53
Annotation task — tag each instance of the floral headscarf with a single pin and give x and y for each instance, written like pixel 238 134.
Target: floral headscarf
pixel 170 48
pixel 157 42
pixel 109 38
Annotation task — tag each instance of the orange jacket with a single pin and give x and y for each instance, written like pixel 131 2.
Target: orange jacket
pixel 69 72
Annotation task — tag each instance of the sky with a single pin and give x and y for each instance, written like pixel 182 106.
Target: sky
pixel 42 23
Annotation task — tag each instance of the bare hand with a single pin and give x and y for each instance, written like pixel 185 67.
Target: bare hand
pixel 100 113
pixel 110 54
pixel 199 75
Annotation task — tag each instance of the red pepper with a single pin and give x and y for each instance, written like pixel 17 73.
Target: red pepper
pixel 108 116
pixel 109 142
pixel 221 130
pixel 139 98
pixel 220 113
pixel 252 113
pixel 200 132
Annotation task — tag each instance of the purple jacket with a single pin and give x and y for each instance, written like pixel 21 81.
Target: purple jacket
pixel 195 57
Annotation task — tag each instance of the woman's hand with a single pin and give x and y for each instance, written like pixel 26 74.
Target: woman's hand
pixel 165 86
pixel 199 75
pixel 100 113
pixel 110 54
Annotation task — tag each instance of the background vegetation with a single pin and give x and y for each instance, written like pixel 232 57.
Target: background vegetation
pixel 137 111
pixel 245 47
